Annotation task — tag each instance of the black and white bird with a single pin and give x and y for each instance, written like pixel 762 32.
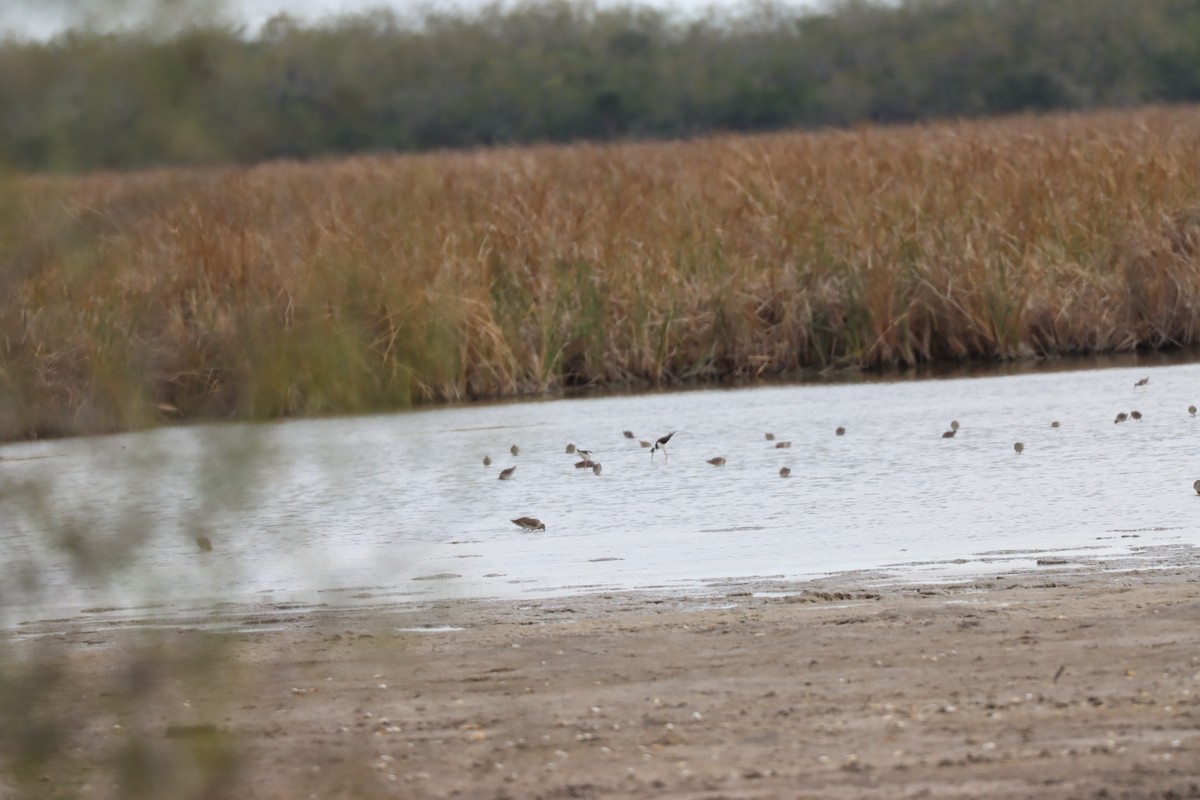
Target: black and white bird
pixel 661 444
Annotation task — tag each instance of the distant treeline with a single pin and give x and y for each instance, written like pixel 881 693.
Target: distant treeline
pixel 557 71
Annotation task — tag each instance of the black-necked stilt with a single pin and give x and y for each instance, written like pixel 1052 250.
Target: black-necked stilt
pixel 661 444
pixel 529 524
pixel 717 461
pixel 585 453
pixel 1019 447
pixel 505 474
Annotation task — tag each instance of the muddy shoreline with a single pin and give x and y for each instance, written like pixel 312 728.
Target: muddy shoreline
pixel 1071 680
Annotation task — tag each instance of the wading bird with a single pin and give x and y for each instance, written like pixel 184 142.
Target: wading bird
pixel 1121 417
pixel 585 464
pixel 1019 447
pixel 840 431
pixel 514 449
pixel 949 434
pixel 1142 382
pixel 717 461
pixel 953 424
pixel 205 544
pixel 585 453
pixel 505 474
pixel 1196 486
pixel 661 444
pixel 570 448
pixel 1192 410
pixel 784 472
pixel 487 461
pixel 1055 424
pixel 529 524
pixel 1136 415
pixel 782 445
pixel 643 443
pixel 628 434
pixel 769 436
pixel 596 469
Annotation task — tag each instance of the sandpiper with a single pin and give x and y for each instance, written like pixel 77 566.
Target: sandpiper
pixel 1196 486
pixel 1192 410
pixel 1055 424
pixel 205 544
pixel 770 437
pixel 1142 382
pixel 784 472
pixel 1135 414
pixel 840 431
pixel 596 468
pixel 628 434
pixel 717 461
pixel 487 461
pixel 529 524
pixel 661 444
pixel 782 445
pixel 1121 417
pixel 643 443
pixel 1019 447
pixel 514 449
pixel 953 424
pixel 585 464
pixel 949 434
pixel 505 474
pixel 570 448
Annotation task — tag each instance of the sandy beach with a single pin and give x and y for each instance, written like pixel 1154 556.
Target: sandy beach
pixel 1073 680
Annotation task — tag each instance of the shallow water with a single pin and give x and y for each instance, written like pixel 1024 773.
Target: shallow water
pixel 400 507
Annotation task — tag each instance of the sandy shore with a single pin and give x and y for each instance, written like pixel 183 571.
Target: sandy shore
pixel 1073 681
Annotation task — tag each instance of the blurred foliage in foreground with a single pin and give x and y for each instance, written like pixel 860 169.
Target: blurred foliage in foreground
pixel 552 70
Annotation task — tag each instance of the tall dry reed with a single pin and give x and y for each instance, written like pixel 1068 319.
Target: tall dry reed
pixel 378 282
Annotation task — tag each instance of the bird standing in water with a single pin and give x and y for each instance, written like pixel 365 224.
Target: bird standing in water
pixel 1020 448
pixel 662 444
pixel 529 524
pixel 505 474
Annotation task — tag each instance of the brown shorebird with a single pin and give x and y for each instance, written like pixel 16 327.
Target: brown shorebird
pixel 596 468
pixel 505 474
pixel 840 431
pixel 628 434
pixel 661 444
pixel 205 544
pixel 782 445
pixel 953 424
pixel 1142 382
pixel 585 464
pixel 1019 447
pixel 643 443
pixel 1196 486
pixel 770 437
pixel 487 461
pixel 514 449
pixel 1135 415
pixel 529 524
pixel 1192 410
pixel 1121 417
pixel 570 448
pixel 1055 424
pixel 717 461
pixel 949 434
pixel 784 472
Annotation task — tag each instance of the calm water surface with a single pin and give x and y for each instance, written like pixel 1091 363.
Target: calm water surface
pixel 400 507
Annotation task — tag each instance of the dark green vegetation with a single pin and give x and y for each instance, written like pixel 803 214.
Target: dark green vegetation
pixel 558 71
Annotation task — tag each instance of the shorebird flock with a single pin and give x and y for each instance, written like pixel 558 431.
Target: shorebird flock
pixel 588 461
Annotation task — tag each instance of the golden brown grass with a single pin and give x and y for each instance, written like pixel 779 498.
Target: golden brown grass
pixel 378 282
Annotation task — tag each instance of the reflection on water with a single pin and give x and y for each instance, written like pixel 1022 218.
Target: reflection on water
pixel 401 506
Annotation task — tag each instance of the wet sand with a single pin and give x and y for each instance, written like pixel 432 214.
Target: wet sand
pixel 1068 681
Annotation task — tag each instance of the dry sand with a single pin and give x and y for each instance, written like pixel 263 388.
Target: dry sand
pixel 1069 681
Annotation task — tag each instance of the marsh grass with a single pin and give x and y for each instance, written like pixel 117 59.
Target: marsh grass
pixel 373 283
